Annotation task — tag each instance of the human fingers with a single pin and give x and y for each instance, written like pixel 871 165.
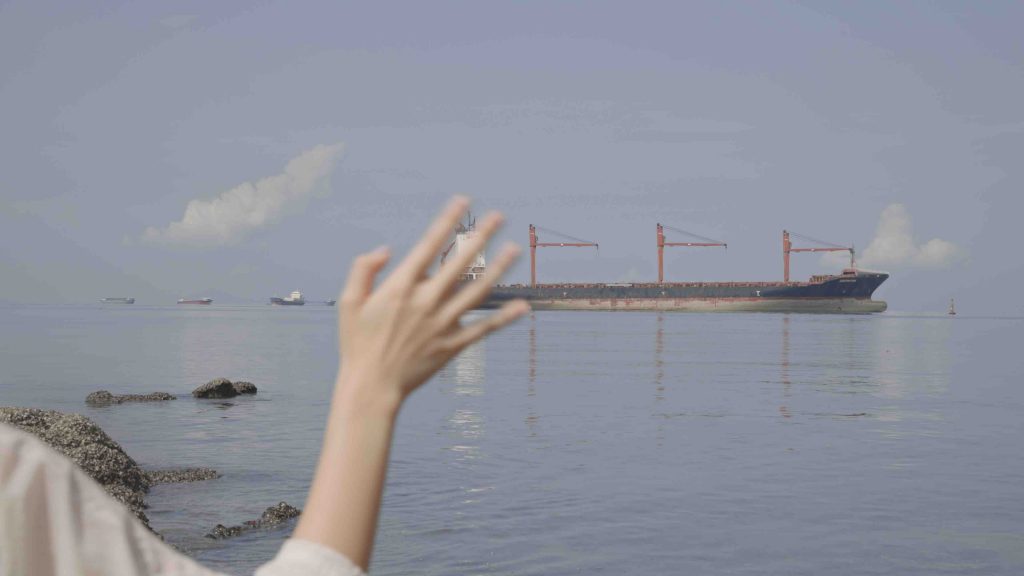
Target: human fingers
pixel 471 333
pixel 474 293
pixel 361 275
pixel 420 257
pixel 452 269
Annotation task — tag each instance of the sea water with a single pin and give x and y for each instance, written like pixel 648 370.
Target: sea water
pixel 581 442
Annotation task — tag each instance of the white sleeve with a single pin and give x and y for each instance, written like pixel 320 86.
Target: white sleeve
pixel 56 520
pixel 309 559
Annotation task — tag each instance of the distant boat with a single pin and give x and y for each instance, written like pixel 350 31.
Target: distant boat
pixel 118 300
pixel 330 302
pixel 952 309
pixel 295 299
pixel 196 301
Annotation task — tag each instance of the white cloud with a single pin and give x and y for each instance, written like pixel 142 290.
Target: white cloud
pixel 234 214
pixel 894 245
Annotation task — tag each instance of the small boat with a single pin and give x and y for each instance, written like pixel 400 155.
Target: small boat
pixel 295 299
pixel 118 300
pixel 952 309
pixel 329 302
pixel 196 301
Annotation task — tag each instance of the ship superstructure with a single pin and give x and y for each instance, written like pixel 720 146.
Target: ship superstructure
pixel 464 233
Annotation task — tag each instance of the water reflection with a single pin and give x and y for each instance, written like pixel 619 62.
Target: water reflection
pixel 911 365
pixel 909 359
pixel 659 362
pixel 531 381
pixel 466 421
pixel 469 370
pixel 659 377
pixel 784 366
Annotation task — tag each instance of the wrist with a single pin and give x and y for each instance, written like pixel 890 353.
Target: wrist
pixel 362 395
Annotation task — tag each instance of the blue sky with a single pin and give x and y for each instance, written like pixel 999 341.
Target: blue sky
pixel 733 120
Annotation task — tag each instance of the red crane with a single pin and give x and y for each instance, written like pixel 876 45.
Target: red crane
pixel 705 242
pixel 787 248
pixel 575 242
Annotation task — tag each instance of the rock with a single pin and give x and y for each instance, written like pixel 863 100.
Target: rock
pixel 88 446
pixel 273 516
pixel 179 475
pixel 221 532
pixel 216 388
pixel 100 397
pixel 278 514
pixel 103 398
pixel 244 387
pixel 224 388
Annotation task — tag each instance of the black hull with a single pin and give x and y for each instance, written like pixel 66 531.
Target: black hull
pixel 849 293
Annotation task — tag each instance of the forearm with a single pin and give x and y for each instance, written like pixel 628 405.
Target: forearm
pixel 344 499
pixel 393 338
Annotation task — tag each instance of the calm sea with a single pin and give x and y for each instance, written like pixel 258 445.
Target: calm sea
pixel 582 442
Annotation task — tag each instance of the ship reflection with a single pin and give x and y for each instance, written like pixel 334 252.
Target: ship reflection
pixel 784 364
pixel 531 381
pixel 466 421
pixel 469 370
pixel 659 361
pixel 659 375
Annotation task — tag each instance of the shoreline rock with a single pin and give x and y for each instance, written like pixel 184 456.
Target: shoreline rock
pixel 271 517
pixel 181 475
pixel 104 398
pixel 99 456
pixel 243 387
pixel 223 388
pixel 216 388
pixel 91 449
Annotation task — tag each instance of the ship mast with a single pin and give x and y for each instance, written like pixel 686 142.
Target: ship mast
pixel 534 244
pixel 787 248
pixel 705 242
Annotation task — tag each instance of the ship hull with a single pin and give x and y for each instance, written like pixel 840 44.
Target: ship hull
pixel 849 293
pixel 118 301
pixel 806 305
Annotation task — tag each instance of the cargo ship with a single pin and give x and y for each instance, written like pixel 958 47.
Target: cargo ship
pixel 295 299
pixel 119 300
pixel 848 292
pixel 202 301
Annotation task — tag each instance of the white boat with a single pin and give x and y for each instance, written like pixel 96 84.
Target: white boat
pixel 294 299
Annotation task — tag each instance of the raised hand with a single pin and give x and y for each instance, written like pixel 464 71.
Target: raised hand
pixel 394 338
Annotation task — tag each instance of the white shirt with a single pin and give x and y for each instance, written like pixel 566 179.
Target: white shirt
pixel 56 521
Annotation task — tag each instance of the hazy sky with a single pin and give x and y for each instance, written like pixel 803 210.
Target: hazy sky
pixel 215 148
